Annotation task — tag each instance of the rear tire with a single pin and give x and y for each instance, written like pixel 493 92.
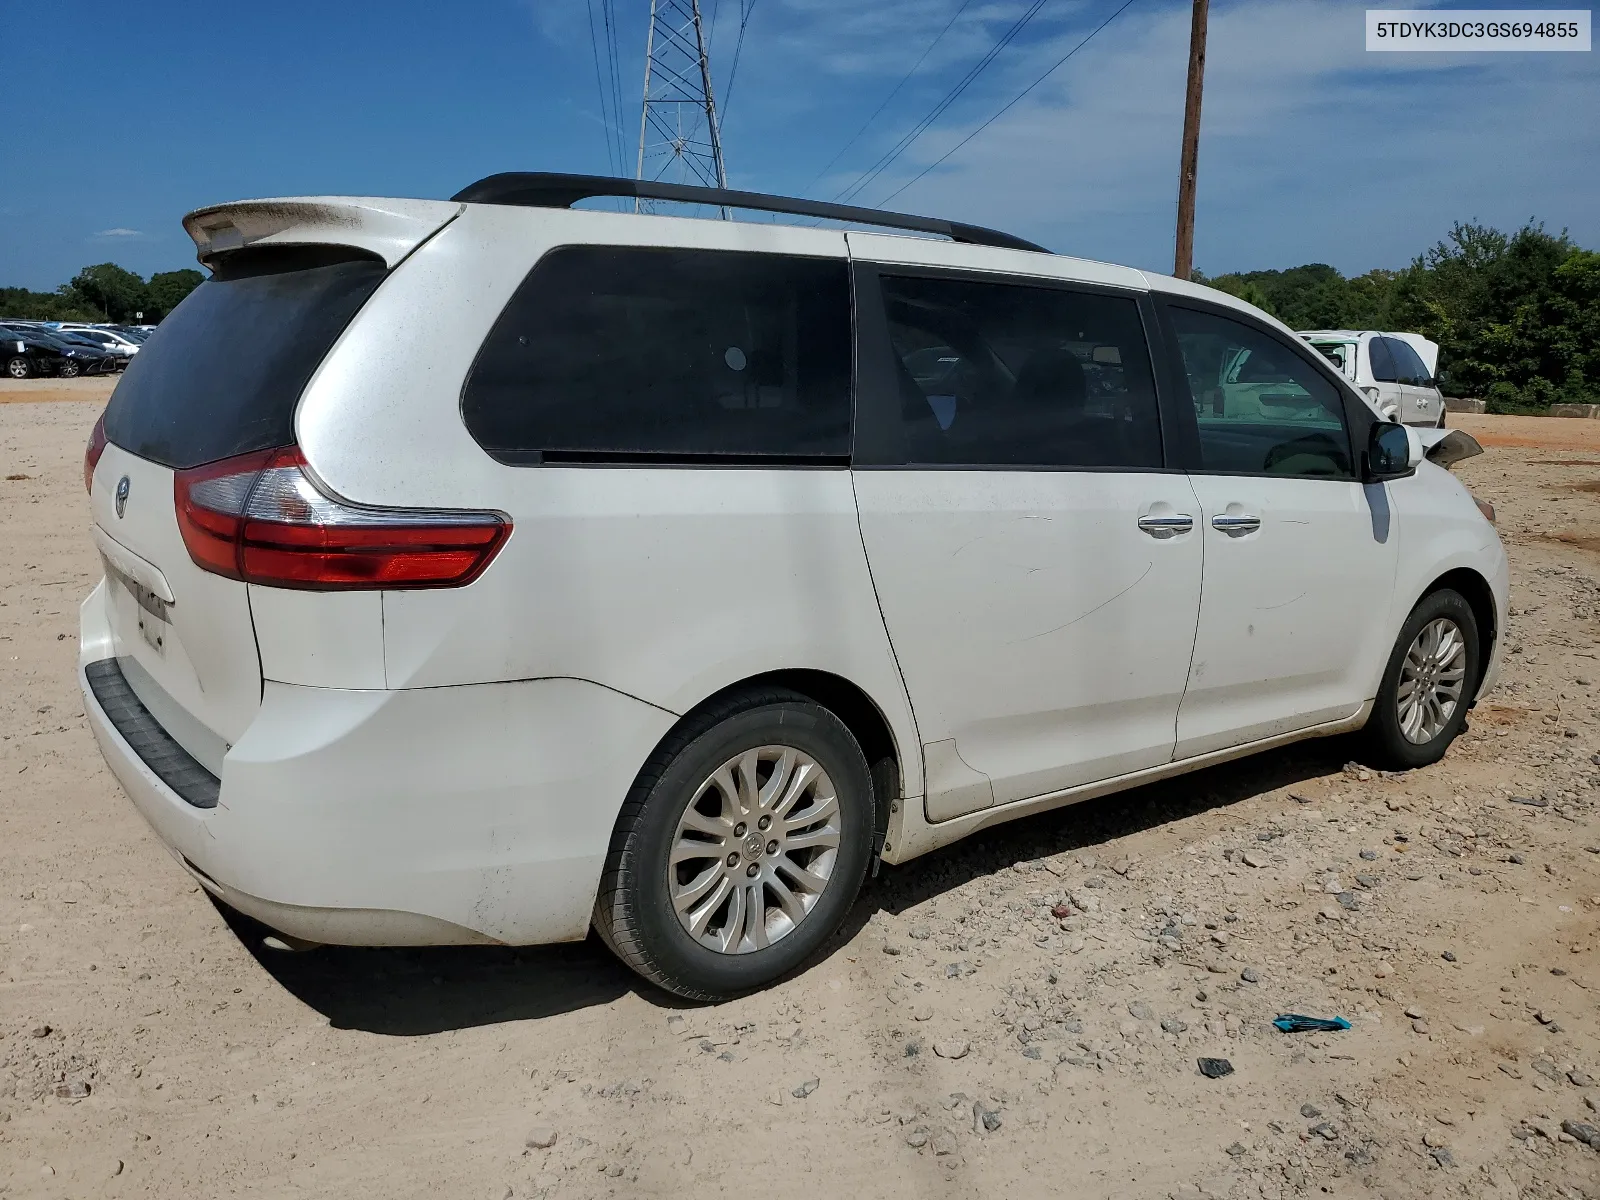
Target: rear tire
pixel 755 902
pixel 18 367
pixel 1427 685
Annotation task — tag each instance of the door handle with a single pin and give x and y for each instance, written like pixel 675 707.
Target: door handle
pixel 1164 526
pixel 1233 526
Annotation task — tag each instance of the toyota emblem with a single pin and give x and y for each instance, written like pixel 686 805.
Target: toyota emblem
pixel 122 496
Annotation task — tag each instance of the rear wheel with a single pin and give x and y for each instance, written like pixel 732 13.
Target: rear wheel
pixel 740 848
pixel 18 367
pixel 1427 685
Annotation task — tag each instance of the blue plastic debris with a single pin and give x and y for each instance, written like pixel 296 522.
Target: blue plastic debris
pixel 1295 1023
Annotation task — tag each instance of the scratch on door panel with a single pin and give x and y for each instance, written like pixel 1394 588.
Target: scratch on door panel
pixel 1148 567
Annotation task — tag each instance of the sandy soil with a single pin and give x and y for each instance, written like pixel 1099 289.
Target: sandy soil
pixel 35 391
pixel 958 1039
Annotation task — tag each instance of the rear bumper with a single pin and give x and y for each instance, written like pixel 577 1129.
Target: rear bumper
pixel 421 817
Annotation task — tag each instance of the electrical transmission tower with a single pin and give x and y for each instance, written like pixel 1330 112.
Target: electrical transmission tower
pixel 679 141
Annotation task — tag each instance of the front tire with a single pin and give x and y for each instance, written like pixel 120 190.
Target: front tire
pixel 1427 685
pixel 18 367
pixel 69 370
pixel 740 847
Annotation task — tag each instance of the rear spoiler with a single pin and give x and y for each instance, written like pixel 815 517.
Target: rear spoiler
pixel 390 229
pixel 1448 446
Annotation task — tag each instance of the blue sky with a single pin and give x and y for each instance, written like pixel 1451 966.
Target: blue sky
pixel 1312 149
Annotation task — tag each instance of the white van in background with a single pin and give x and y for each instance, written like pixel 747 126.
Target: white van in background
pixel 1396 371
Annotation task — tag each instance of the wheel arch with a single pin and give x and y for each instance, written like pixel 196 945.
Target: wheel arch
pixel 1479 595
pixel 862 716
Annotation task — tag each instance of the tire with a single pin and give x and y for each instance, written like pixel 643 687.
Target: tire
pixel 1397 736
pixel 69 370
pixel 18 367
pixel 635 913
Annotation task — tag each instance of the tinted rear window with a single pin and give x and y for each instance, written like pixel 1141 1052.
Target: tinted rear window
pixel 222 374
pixel 621 354
pixel 1384 368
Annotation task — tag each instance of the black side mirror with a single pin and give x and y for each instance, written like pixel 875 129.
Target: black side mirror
pixel 1388 452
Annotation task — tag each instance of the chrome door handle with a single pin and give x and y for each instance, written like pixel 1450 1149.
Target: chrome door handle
pixel 1236 525
pixel 1156 526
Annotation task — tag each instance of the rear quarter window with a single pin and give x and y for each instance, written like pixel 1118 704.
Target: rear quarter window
pixel 223 373
pixel 625 354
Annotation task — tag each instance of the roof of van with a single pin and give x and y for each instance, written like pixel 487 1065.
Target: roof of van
pixel 392 228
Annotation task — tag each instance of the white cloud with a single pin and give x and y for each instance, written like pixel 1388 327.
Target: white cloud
pixel 1311 147
pixel 119 232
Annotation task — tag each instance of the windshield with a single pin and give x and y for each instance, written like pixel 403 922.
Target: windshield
pixel 39 338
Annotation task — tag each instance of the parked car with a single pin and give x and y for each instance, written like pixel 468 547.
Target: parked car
pixel 115 344
pixel 26 354
pixel 79 339
pixel 53 354
pixel 678 574
pixel 1396 371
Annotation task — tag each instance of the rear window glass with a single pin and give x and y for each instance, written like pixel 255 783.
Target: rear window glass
pixel 223 373
pixel 621 354
pixel 1384 368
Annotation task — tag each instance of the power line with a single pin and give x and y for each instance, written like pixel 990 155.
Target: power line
pixel 965 4
pixel 1009 104
pixel 746 7
pixel 605 117
pixel 609 12
pixel 938 110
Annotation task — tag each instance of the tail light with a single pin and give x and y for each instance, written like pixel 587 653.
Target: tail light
pixel 92 453
pixel 260 518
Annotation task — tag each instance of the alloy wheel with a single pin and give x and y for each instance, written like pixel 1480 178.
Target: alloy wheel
pixel 1432 677
pixel 17 368
pixel 755 849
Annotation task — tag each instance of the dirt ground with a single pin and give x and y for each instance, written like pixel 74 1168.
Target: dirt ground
pixel 958 1039
pixel 36 391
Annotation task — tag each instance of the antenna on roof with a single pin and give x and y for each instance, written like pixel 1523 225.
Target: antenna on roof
pixel 679 141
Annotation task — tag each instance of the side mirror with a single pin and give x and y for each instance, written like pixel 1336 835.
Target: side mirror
pixel 1393 452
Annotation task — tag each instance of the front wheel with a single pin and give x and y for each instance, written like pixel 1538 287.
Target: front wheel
pixel 1427 685
pixel 18 367
pixel 69 369
pixel 740 848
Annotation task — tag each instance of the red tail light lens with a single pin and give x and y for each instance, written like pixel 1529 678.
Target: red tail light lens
pixel 92 453
pixel 260 518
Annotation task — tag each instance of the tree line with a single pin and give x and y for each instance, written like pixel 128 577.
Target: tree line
pixel 1516 316
pixel 104 292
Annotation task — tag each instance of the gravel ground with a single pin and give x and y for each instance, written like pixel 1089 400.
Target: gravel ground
pixel 1020 1015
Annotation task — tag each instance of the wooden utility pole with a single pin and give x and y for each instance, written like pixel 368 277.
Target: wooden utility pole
pixel 1183 260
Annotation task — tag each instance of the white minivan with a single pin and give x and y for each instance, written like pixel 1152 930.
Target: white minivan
pixel 493 570
pixel 1395 371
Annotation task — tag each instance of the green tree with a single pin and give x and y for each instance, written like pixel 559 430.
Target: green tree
pixel 109 289
pixel 167 290
pixel 42 306
pixel 1246 289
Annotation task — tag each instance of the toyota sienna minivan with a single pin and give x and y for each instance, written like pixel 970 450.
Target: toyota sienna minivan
pixel 493 570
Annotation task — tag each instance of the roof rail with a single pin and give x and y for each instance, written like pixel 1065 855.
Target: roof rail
pixel 542 189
